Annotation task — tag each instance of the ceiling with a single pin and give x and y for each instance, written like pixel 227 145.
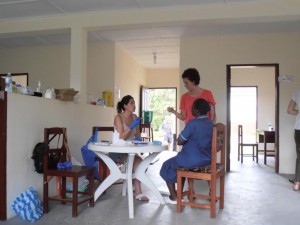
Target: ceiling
pixel 153 46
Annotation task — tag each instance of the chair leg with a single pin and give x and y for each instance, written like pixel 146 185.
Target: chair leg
pixel 256 153
pixel 242 156
pixel 91 190
pixel 213 198
pixel 182 183
pixel 75 197
pixel 63 189
pixel 265 153
pixel 191 189
pixel 179 191
pixel 45 195
pixel 222 192
pixel 103 170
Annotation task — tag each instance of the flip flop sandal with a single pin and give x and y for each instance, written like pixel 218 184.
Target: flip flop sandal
pixel 141 197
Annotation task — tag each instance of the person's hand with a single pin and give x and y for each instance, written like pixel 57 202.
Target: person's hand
pixel 170 109
pixel 135 123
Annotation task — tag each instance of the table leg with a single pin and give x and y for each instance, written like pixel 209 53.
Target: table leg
pixel 129 184
pixel 140 174
pixel 115 174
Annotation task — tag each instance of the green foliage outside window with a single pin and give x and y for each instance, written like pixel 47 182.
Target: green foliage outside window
pixel 159 101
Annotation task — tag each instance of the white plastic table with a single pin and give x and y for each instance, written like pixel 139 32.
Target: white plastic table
pixel 140 173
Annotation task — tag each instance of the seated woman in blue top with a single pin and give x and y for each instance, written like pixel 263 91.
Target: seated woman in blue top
pixel 127 125
pixel 196 139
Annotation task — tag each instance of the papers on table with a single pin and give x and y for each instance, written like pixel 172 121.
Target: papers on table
pixel 139 142
pixel 102 143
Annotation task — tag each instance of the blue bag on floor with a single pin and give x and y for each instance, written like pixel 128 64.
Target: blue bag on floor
pixel 28 206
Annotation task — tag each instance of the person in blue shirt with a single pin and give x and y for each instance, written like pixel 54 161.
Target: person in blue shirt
pixel 196 139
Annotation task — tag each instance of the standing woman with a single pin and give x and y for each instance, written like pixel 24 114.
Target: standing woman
pixel 293 110
pixel 191 80
pixel 127 125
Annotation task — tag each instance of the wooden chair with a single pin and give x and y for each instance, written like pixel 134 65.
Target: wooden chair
pixel 241 146
pixel 102 167
pixel 146 128
pixel 73 173
pixel 212 172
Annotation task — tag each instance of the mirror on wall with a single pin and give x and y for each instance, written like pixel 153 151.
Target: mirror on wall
pixel 19 78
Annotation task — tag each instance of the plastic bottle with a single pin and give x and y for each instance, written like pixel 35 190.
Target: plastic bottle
pixel 8 83
pixel 39 89
pixel 115 137
pixel 117 92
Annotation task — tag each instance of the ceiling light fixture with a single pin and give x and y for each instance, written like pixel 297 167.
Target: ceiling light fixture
pixel 154 57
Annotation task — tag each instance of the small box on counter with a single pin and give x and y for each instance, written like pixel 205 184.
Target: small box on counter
pixel 65 94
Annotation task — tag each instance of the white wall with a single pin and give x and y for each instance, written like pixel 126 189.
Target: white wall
pixel 50 65
pixel 129 75
pixel 210 55
pixel 163 78
pixel 27 118
pixel 100 68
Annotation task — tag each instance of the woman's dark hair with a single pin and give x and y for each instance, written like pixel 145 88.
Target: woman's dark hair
pixel 125 100
pixel 200 107
pixel 192 75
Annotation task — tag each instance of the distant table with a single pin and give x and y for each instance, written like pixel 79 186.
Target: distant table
pixel 265 137
pixel 140 173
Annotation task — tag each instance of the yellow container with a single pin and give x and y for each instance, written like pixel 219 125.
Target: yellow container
pixel 107 96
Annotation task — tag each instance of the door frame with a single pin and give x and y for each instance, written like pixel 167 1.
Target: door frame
pixel 228 122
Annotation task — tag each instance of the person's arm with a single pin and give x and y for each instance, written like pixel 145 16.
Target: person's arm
pixel 118 123
pixel 180 141
pixel 292 108
pixel 213 113
pixel 137 129
pixel 212 103
pixel 180 115
pixel 184 135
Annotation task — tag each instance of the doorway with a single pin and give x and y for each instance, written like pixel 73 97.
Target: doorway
pixel 243 110
pixel 157 100
pixel 266 106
